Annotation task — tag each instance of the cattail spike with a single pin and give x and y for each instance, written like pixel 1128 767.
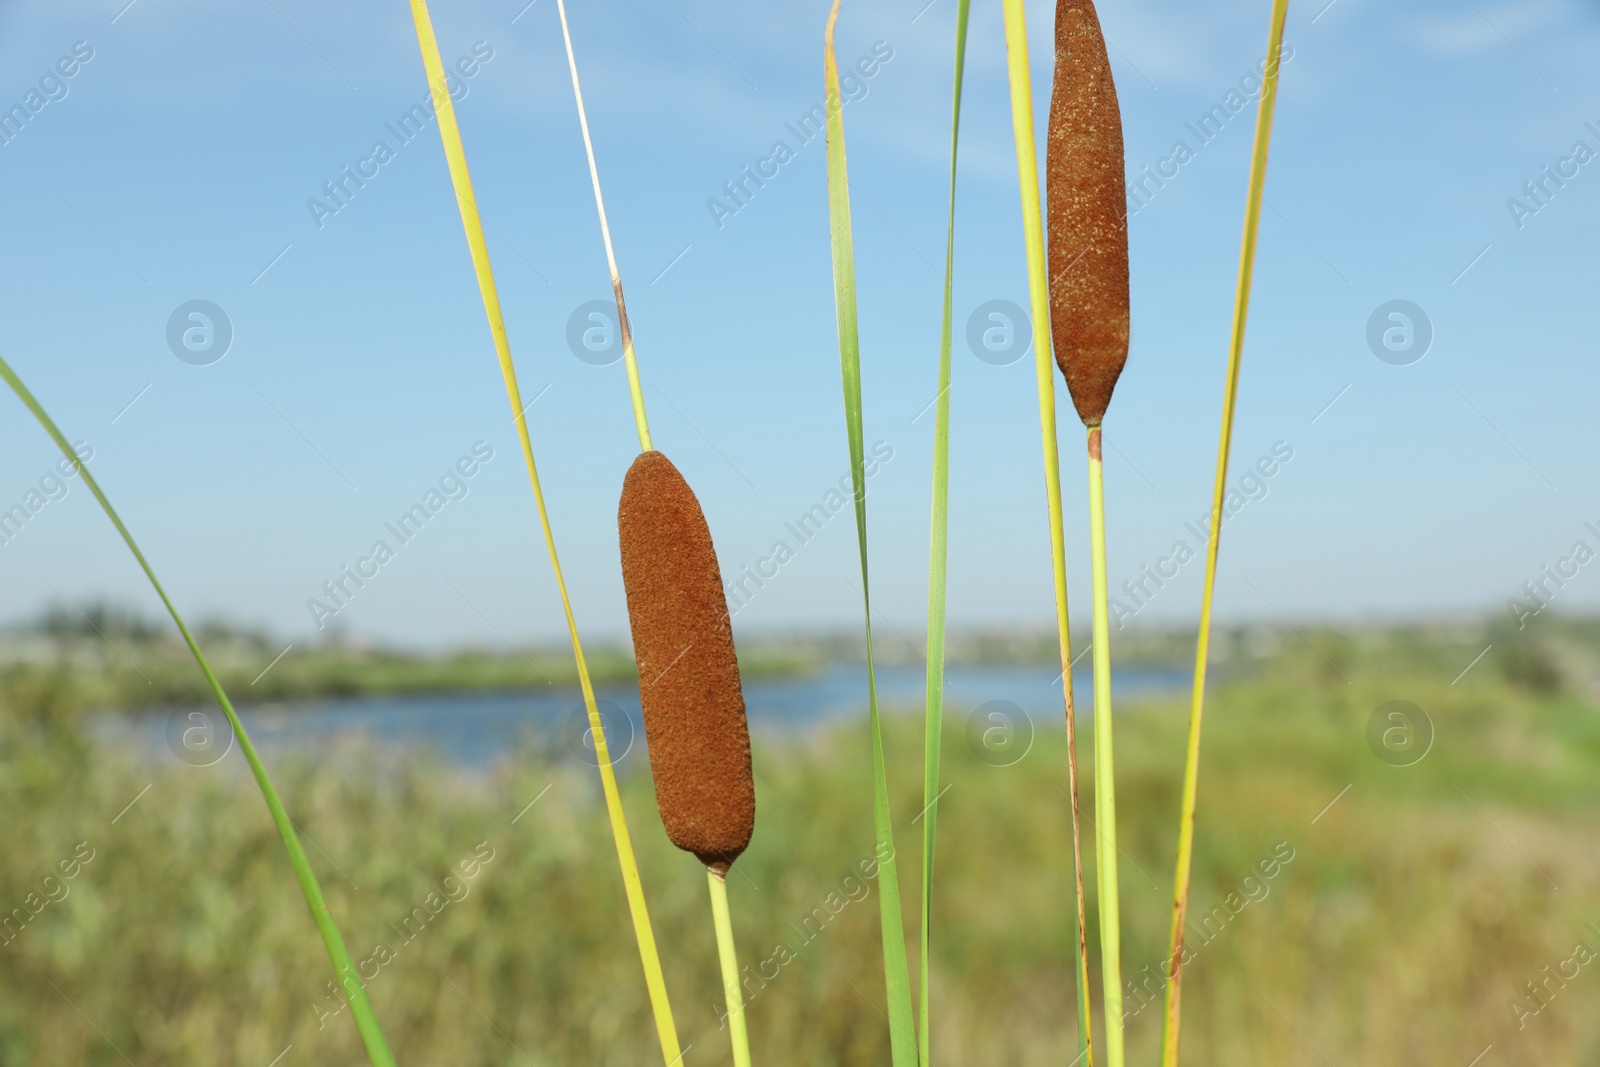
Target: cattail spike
pixel 1087 214
pixel 694 715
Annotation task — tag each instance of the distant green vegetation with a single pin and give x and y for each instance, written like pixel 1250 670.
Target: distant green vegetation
pixel 1401 927
pixel 120 659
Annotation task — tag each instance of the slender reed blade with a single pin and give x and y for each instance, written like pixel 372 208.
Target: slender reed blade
pixel 902 1040
pixel 1044 376
pixel 350 983
pixel 1241 307
pixel 938 562
pixel 461 180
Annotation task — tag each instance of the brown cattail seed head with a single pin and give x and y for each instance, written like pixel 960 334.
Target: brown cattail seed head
pixel 694 717
pixel 1087 214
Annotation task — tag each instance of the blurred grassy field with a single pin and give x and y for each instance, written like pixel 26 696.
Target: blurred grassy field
pixel 1399 925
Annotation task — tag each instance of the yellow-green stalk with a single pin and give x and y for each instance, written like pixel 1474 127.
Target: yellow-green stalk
pixel 738 1033
pixel 1105 790
pixel 1241 307
pixel 1044 375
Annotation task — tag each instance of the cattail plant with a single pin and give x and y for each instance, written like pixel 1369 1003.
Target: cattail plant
pixel 1087 221
pixel 351 986
pixel 1241 308
pixel 683 644
pixel 1044 377
pixel 897 979
pixel 461 180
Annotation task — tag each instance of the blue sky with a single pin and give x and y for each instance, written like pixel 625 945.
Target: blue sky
pixel 179 162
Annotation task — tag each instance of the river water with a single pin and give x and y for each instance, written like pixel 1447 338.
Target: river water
pixel 476 729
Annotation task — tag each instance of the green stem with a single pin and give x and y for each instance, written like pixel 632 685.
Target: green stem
pixel 737 1031
pixel 938 562
pixel 1105 784
pixel 350 983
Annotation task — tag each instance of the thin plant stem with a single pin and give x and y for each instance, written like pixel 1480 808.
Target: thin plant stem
pixel 461 180
pixel 625 331
pixel 938 563
pixel 738 1033
pixel 1105 782
pixel 1044 376
pixel 1241 307
pixel 897 978
pixel 350 984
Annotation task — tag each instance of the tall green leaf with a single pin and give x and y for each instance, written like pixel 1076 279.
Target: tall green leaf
pixel 938 562
pixel 349 981
pixel 897 979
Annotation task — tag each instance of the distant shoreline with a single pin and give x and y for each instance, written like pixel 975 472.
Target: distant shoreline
pixel 130 666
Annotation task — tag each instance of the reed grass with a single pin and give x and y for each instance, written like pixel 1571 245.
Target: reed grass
pixel 232 973
pixel 1172 1018
pixel 938 566
pixel 466 201
pixel 897 981
pixel 1044 375
pixel 350 983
